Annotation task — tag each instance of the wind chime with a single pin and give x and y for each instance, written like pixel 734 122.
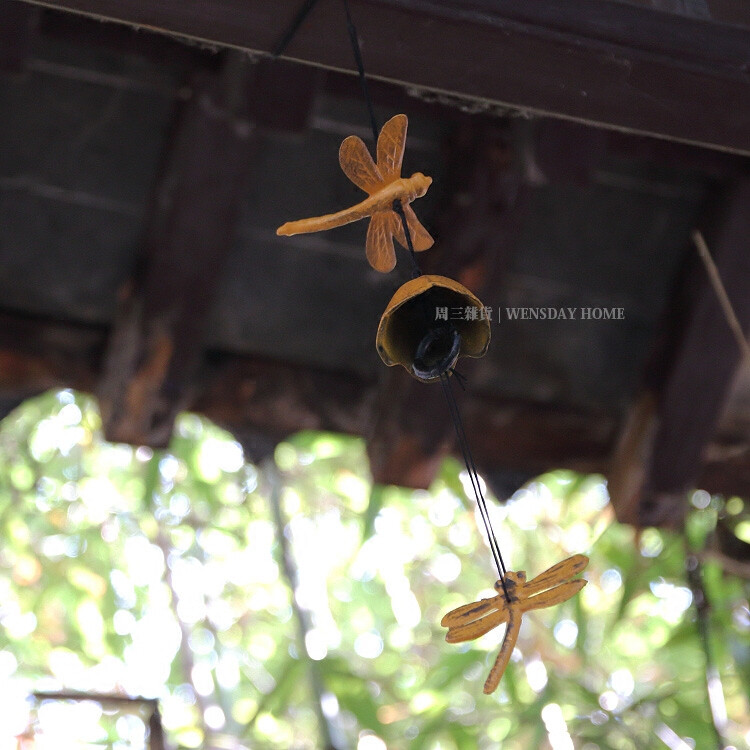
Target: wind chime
pixel 411 335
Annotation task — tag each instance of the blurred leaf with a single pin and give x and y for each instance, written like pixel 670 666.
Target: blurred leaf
pixel 125 568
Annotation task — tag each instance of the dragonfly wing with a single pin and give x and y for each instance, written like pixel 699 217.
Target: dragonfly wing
pixel 470 612
pixel 391 144
pixel 471 630
pixel 381 254
pixel 358 166
pixel 509 643
pixel 563 571
pixel 420 237
pixel 554 595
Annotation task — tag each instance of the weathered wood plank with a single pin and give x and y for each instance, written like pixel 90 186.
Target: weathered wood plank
pixel 625 66
pixel 157 344
pixel 704 363
pixel 262 401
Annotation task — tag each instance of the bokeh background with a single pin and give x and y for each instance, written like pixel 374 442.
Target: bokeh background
pixel 294 605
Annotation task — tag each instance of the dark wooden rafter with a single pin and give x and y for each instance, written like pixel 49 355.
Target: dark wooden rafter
pixel 533 439
pixel 722 11
pixel 627 66
pixel 248 396
pixel 726 470
pixel 36 355
pixel 411 432
pixel 18 26
pixel 696 389
pixel 262 402
pixel 156 347
pixel 256 397
pixel 664 449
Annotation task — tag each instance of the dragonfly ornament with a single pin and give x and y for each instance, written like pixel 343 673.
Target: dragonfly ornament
pixel 384 185
pixel 555 585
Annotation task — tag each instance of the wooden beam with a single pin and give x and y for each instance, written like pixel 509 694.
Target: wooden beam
pixel 627 473
pixel 622 66
pixel 411 431
pixel 727 471
pixel 270 400
pixel 156 347
pixel 36 354
pixel 532 439
pixel 704 363
pixel 263 401
pixel 277 399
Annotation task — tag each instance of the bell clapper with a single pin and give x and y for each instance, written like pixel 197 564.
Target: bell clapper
pixel 437 352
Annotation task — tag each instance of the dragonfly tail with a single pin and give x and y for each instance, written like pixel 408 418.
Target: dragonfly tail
pixel 509 643
pixel 323 223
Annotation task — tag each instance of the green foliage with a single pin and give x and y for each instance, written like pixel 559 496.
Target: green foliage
pixel 275 605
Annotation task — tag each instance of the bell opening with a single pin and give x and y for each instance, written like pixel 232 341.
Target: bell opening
pixel 436 353
pixel 421 338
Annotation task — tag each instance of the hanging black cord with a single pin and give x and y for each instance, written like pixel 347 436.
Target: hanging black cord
pixel 297 21
pixel 415 269
pixel 475 481
pixel 397 207
pixel 444 379
pixel 362 78
pixel 472 469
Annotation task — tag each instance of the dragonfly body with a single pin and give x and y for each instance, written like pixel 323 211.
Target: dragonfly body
pixel 549 588
pixel 405 189
pixel 384 185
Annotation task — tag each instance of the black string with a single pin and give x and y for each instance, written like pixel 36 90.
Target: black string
pixel 297 21
pixel 362 78
pixel 415 269
pixel 460 378
pixel 476 483
pixel 397 207
pixel 444 378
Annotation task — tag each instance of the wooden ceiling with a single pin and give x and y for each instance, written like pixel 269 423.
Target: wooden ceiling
pixel 574 146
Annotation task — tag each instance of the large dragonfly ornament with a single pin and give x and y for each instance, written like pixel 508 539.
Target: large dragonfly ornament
pixel 555 585
pixel 384 185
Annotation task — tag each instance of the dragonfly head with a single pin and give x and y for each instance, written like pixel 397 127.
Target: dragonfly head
pixel 512 579
pixel 419 185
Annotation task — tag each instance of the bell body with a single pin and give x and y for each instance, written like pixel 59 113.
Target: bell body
pixel 412 334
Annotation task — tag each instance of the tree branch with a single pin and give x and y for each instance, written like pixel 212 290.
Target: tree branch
pixel 302 616
pixel 713 679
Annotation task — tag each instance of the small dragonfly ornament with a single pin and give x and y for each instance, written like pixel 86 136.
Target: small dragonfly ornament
pixel 555 585
pixel 384 185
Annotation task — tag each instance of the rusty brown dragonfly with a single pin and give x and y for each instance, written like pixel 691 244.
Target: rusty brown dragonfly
pixel 555 585
pixel 383 184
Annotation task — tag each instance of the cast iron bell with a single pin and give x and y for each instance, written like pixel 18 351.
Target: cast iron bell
pixel 413 332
